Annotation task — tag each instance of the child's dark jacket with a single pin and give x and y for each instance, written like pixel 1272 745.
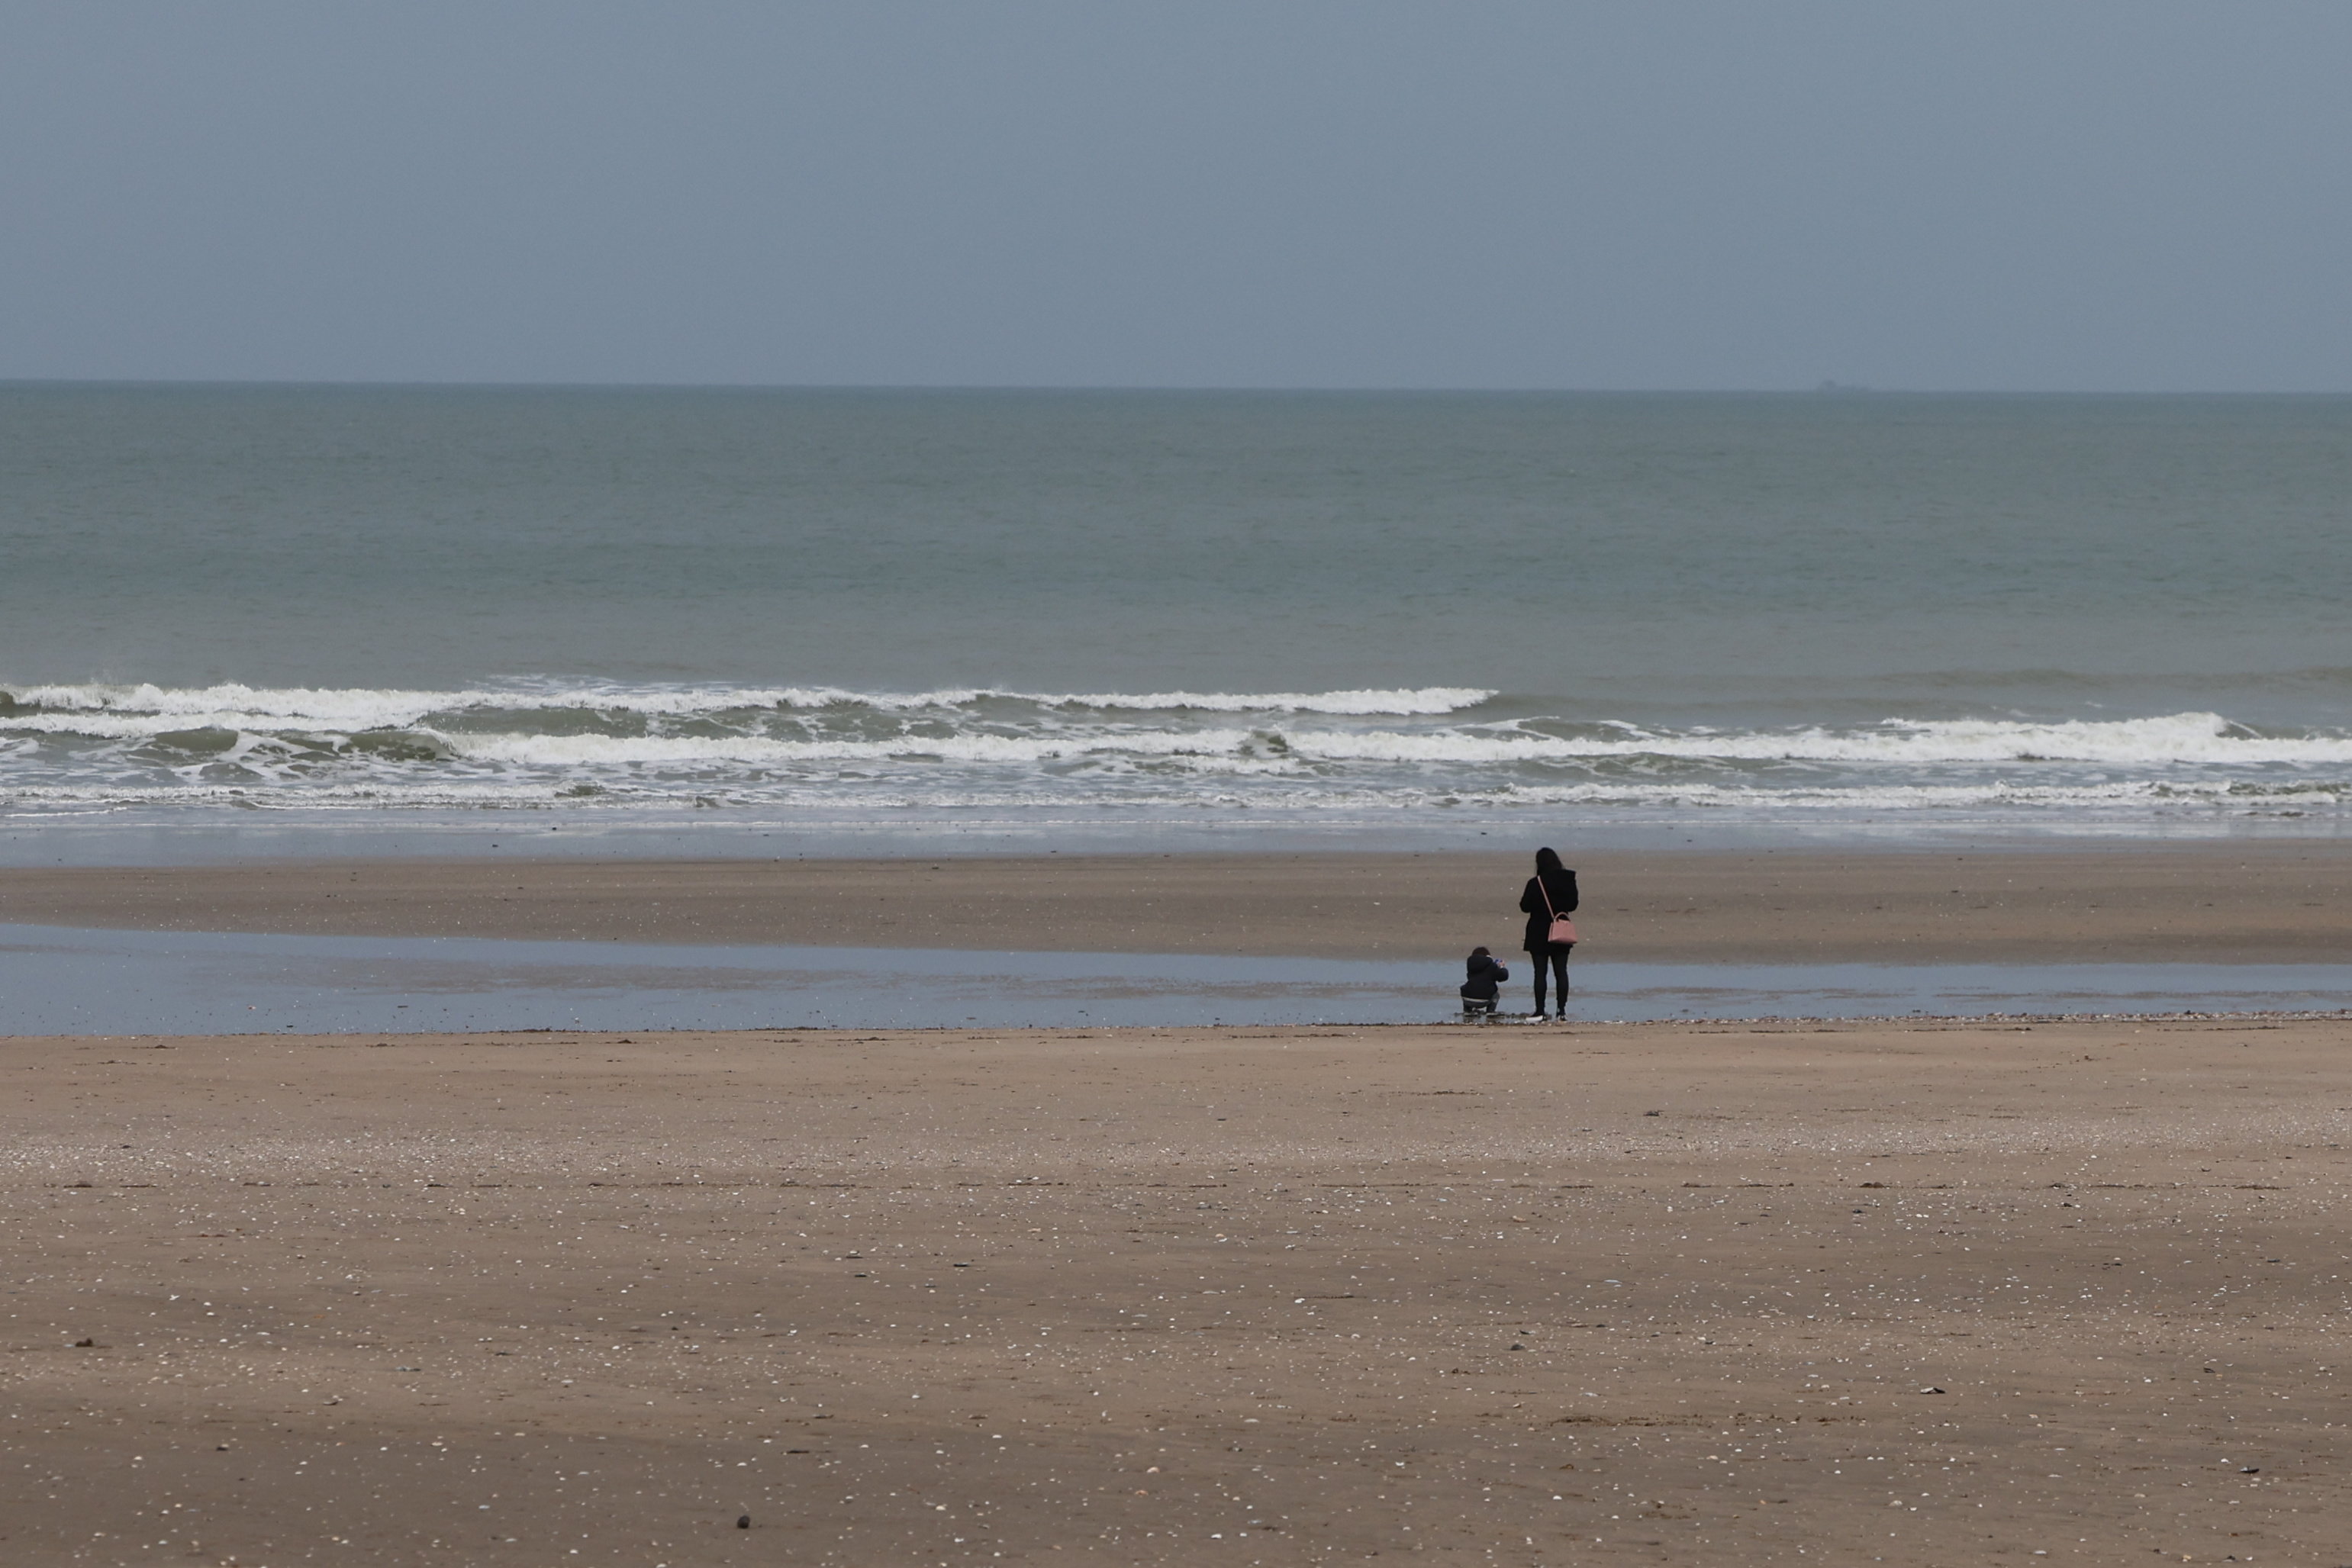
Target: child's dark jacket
pixel 1485 975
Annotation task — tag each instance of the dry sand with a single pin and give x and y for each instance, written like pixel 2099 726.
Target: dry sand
pixel 2275 902
pixel 1866 1293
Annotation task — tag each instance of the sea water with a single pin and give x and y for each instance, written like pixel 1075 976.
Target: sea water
pixel 61 980
pixel 325 615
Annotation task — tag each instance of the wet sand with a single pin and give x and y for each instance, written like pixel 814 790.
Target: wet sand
pixel 1674 1294
pixel 2269 903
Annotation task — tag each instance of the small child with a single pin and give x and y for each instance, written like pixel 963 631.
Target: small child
pixel 1478 990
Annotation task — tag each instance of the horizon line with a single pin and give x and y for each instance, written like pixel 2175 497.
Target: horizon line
pixel 1820 389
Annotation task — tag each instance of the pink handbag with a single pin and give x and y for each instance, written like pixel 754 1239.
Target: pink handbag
pixel 1563 929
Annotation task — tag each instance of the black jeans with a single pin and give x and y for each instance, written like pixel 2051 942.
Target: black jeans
pixel 1556 959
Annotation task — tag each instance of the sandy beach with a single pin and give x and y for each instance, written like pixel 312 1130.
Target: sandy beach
pixel 1911 1294
pixel 2251 903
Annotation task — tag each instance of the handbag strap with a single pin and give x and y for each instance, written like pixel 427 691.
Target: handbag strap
pixel 1546 896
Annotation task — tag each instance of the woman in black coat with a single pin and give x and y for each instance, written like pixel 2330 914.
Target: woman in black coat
pixel 1551 892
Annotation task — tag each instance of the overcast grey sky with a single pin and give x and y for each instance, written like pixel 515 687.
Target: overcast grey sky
pixel 2054 194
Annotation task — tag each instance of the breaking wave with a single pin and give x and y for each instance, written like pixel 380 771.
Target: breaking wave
pixel 349 708
pixel 586 745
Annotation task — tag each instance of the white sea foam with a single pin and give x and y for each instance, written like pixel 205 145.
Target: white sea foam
pixel 544 751
pixel 127 707
pixel 2184 739
pixel 1057 726
pixel 357 708
pixel 2189 737
pixel 2127 797
pixel 585 746
pixel 1423 700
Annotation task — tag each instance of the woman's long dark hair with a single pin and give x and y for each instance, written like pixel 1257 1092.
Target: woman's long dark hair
pixel 1548 863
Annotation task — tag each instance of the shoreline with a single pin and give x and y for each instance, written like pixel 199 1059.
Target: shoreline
pixel 2265 902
